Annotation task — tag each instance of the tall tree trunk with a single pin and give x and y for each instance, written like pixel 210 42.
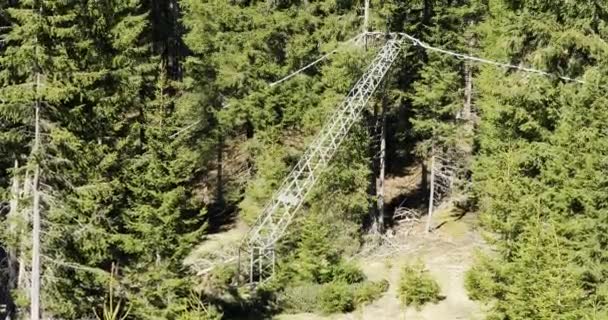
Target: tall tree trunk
pixel 372 123
pixel 24 216
pixel 13 229
pixel 428 12
pixel 366 16
pixel 431 193
pixel 468 83
pixel 365 21
pixel 249 133
pixel 220 170
pixel 166 34
pixel 468 89
pixel 381 180
pixel 378 164
pixel 12 251
pixel 35 285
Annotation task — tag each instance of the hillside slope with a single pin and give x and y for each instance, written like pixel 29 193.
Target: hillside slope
pixel 447 253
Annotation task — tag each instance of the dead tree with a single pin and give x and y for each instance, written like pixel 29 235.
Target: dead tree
pixel 23 276
pixel 443 173
pixel 468 91
pixel 366 16
pixel 432 193
pixel 382 162
pixel 13 229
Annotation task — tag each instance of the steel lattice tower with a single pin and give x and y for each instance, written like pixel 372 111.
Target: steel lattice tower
pixel 256 255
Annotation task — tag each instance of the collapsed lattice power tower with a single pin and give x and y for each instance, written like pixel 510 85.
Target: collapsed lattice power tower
pixel 256 256
pixel 256 253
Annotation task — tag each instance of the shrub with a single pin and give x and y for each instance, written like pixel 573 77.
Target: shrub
pixel 348 272
pixel 332 297
pixel 302 298
pixel 196 309
pixel 479 280
pixel 208 313
pixel 417 287
pixel 369 291
pixel 221 277
pixel 336 297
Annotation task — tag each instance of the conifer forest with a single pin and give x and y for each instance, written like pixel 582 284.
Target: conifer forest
pixel 303 159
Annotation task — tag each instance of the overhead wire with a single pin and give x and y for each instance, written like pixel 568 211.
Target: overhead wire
pixel 285 78
pixel 185 129
pixel 417 42
pixel 325 56
pixel 459 55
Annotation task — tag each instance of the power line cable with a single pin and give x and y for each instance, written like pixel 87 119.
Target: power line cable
pixel 327 55
pixel 417 42
pixel 287 77
pixel 480 60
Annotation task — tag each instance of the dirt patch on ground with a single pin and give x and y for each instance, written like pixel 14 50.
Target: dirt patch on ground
pixel 406 183
pixel 447 253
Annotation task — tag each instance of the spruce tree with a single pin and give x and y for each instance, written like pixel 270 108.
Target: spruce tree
pixel 537 175
pixel 101 115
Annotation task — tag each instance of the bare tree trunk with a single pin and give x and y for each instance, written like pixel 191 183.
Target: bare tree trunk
pixel 381 178
pixel 13 231
pixel 468 89
pixel 366 17
pixel 21 273
pixel 12 250
pixel 372 123
pixel 432 194
pixel 220 170
pixel 467 113
pixel 35 285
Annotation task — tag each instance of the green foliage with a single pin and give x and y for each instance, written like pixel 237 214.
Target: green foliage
pixel 206 313
pixel 348 272
pixel 196 309
pixel 336 297
pixel 222 276
pixel 479 281
pixel 315 257
pixel 300 298
pixel 112 310
pixel 121 187
pixel 118 189
pixel 537 177
pixel 417 287
pixel 369 291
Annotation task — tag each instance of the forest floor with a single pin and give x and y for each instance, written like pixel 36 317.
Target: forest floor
pixel 447 252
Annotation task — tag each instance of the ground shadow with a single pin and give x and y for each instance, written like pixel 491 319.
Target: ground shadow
pixel 259 304
pixel 221 217
pixel 414 198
